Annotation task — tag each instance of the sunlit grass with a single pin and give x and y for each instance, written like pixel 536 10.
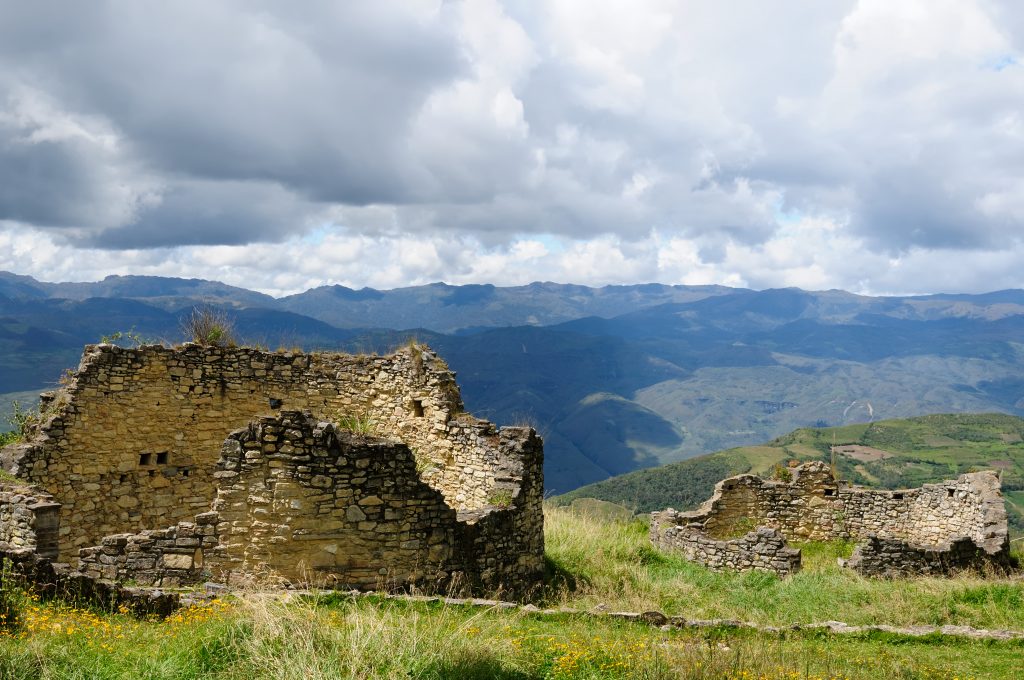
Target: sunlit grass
pixel 314 638
pixel 613 564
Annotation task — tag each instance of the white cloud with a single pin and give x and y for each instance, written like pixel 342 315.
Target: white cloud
pixel 835 144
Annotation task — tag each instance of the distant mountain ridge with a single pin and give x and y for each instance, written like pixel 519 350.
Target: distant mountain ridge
pixel 444 308
pixel 616 378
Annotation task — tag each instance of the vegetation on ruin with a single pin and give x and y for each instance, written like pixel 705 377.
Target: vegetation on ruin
pixel 356 422
pixel 209 326
pixel 923 450
pixel 20 421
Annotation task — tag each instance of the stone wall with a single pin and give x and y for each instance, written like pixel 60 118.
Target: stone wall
pixel 29 519
pixel 762 550
pixel 169 557
pixel 814 506
pixel 132 441
pixel 890 557
pixel 302 502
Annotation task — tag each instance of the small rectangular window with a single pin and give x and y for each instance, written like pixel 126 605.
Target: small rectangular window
pixel 161 458
pixel 417 408
pixel 184 472
pixel 830 492
pixel 145 458
pixel 950 492
pixel 898 496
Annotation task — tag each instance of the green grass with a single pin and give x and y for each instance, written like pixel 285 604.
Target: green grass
pixel 338 637
pixel 596 562
pixel 613 564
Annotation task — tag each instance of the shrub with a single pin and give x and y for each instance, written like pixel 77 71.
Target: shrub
pixel 22 420
pixel 208 326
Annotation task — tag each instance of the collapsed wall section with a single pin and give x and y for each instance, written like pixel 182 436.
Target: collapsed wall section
pixel 303 502
pixel 814 506
pixel 132 441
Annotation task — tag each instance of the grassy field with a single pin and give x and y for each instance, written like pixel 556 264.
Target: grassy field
pixel 612 563
pixel 593 562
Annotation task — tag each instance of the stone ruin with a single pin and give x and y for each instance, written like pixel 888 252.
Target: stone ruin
pixel 936 529
pixel 174 466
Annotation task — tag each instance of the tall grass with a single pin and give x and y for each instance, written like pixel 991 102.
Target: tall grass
pixel 286 637
pixel 612 564
pixel 337 637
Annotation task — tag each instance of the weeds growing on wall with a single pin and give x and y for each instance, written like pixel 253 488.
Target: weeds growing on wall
pixel 209 326
pixel 500 498
pixel 359 423
pixel 128 338
pixel 22 420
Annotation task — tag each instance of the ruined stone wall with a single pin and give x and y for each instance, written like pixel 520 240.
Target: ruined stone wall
pixel 168 557
pixel 29 519
pixel 888 557
pixel 761 550
pixel 301 501
pixel 927 521
pixel 813 506
pixel 132 440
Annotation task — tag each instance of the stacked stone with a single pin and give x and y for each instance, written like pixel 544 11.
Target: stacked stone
pixel 761 550
pixel 503 547
pixel 814 506
pixel 29 519
pixel 169 557
pixel 132 440
pixel 887 557
pixel 303 502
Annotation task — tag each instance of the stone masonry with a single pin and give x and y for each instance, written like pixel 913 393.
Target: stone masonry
pixel 924 527
pixel 29 520
pixel 133 450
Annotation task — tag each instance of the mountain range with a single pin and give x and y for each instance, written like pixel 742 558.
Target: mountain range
pixel 616 378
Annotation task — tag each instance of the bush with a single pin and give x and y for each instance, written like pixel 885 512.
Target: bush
pixel 208 326
pixel 22 420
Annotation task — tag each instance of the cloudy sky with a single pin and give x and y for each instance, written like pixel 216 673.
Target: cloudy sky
pixel 874 145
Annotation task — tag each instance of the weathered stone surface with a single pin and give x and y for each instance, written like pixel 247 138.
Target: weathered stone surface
pixel 29 519
pixel 935 529
pixel 135 442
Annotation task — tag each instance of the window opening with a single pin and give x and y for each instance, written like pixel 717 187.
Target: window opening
pixel 144 458
pixel 417 408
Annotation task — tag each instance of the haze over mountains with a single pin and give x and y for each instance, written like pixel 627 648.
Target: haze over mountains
pixel 616 378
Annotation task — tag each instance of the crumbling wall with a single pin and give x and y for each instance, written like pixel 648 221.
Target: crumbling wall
pixel 814 506
pixel 888 557
pixel 29 519
pixel 131 442
pixel 168 557
pixel 762 550
pixel 302 501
